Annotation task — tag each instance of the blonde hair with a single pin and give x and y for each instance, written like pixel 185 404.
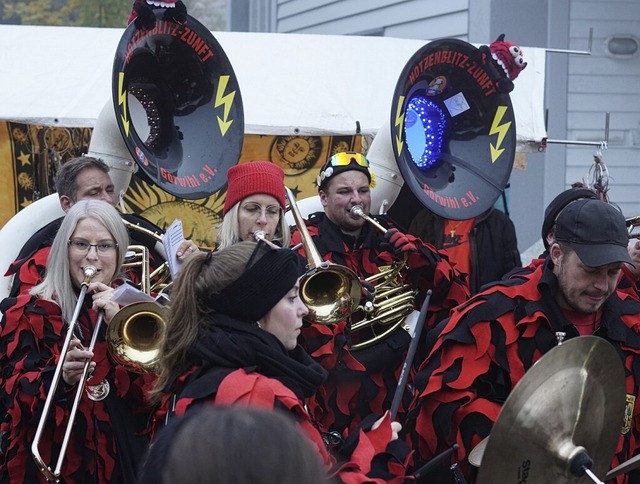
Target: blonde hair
pixel 57 284
pixel 229 230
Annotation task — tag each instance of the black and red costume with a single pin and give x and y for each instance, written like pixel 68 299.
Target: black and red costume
pixel 363 382
pixel 106 441
pixel 485 348
pixel 236 363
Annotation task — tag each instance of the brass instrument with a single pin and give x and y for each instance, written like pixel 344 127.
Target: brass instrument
pixel 135 333
pixel 633 224
pixel 331 291
pixel 393 299
pixel 54 475
pixel 160 275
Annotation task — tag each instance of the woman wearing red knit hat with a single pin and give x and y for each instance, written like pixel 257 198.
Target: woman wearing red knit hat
pixel 254 205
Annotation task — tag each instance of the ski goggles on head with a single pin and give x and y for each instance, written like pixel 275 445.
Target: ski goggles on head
pixel 345 158
pixel 341 162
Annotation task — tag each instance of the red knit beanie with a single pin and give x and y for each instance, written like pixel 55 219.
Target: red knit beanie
pixel 254 177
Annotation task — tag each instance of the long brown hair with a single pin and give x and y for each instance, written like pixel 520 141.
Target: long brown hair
pixel 202 275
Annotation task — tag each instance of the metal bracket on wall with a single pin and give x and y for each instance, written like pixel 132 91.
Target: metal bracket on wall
pixel 579 52
pixel 601 144
pixel 542 146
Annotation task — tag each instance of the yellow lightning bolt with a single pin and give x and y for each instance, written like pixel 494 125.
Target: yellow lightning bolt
pixel 227 101
pixel 499 129
pixel 399 123
pixel 122 101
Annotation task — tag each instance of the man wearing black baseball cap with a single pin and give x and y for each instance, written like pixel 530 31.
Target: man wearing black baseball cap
pixel 487 345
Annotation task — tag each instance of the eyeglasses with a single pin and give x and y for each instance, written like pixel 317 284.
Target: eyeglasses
pixel 255 210
pixel 345 158
pixel 82 247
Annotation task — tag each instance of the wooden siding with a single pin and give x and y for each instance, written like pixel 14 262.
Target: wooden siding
pixel 599 84
pixel 421 19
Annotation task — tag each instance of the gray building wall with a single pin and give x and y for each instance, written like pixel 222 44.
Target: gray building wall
pixel 580 89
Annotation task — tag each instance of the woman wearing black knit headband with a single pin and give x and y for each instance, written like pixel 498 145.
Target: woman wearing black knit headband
pixel 232 340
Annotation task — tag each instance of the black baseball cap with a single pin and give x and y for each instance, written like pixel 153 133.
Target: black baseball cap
pixel 595 230
pixel 556 206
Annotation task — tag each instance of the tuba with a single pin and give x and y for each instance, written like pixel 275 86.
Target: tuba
pixel 178 107
pixel 331 291
pixel 178 110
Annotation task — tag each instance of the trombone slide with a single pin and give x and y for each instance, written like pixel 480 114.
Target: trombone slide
pixel 54 476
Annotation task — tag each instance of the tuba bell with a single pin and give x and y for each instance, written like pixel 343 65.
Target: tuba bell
pixel 331 291
pixel 452 129
pixel 178 106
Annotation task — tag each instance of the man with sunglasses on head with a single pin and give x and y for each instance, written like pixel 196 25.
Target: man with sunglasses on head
pixel 362 381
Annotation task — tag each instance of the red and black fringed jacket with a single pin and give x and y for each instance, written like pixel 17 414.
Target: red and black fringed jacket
pixel 105 444
pixel 486 347
pixel 236 363
pixel 363 382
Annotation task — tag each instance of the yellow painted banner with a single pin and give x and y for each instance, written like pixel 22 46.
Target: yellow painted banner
pixel 30 156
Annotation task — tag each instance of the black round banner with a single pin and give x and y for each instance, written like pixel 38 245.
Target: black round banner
pixel 453 132
pixel 178 106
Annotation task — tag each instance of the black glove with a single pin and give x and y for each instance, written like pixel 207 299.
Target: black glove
pixel 399 243
pixel 368 291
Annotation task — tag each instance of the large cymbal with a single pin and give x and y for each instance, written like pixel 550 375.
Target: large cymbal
pixel 569 405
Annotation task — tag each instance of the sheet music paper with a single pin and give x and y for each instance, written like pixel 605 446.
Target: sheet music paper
pixel 171 240
pixel 127 294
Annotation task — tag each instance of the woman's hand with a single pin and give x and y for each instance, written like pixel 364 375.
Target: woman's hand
pixel 103 300
pixel 185 250
pixel 74 362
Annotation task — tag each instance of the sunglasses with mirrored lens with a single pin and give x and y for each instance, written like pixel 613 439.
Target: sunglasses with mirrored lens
pixel 346 158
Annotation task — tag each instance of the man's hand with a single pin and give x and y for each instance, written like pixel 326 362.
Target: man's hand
pixel 368 291
pixel 398 242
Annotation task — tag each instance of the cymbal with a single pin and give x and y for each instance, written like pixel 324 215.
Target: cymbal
pixel 475 456
pixel 568 406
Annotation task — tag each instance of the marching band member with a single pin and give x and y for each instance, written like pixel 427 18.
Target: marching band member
pixel 82 178
pixel 232 340
pixel 104 445
pixel 363 382
pixel 254 205
pixel 486 346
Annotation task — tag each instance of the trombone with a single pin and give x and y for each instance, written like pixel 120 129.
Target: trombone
pixel 54 476
pixel 331 291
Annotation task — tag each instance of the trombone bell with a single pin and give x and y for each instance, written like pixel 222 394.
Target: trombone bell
pixel 135 335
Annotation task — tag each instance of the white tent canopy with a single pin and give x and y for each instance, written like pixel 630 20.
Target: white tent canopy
pixel 290 83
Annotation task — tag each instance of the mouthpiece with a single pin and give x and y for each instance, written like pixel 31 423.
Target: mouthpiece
pixel 89 271
pixel 357 210
pixel 259 235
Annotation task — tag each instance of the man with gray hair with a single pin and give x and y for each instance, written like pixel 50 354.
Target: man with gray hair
pixel 487 344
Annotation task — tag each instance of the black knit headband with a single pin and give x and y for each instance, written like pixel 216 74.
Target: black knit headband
pixel 259 287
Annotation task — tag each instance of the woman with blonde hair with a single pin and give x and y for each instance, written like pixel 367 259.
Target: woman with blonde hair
pixel 105 444
pixel 254 205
